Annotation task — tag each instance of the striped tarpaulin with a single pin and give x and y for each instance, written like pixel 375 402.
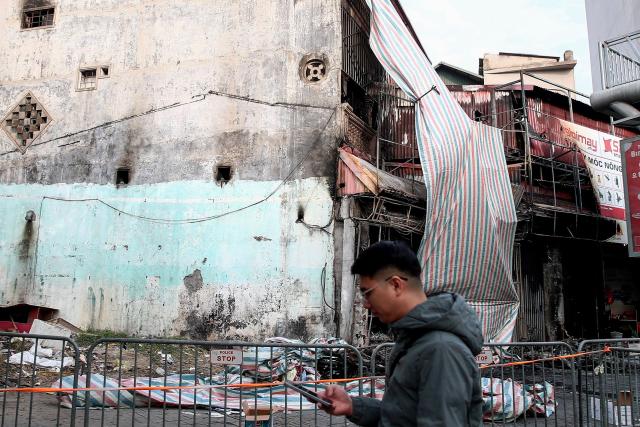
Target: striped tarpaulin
pixel 470 214
pixel 278 397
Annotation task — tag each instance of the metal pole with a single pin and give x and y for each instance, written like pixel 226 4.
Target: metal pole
pixel 494 118
pixel 527 142
pixel 554 84
pixel 612 127
pixel 381 107
pixel 570 106
pixel 577 166
pixel 603 79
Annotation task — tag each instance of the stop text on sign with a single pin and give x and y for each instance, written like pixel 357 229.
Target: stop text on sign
pixel 226 357
pixel 485 357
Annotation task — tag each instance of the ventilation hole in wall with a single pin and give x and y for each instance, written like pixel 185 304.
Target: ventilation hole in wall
pixel 315 70
pixel 104 71
pixel 122 176
pixel 223 173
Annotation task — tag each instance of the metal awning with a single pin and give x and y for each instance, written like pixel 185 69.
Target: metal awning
pixel 357 176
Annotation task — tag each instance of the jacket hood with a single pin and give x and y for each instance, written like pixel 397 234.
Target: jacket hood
pixel 444 312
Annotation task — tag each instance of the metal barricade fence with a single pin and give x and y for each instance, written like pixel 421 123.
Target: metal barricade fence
pixel 379 364
pixel 30 361
pixel 608 382
pixel 209 383
pixel 180 382
pixel 529 383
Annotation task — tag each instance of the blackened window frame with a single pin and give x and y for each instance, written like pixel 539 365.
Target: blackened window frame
pixel 24 20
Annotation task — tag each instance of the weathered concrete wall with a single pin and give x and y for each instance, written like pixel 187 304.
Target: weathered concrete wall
pixel 565 78
pixel 254 272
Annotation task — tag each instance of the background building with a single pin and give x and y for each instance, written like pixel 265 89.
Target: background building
pixel 503 68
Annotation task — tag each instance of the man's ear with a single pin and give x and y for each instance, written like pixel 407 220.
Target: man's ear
pixel 398 284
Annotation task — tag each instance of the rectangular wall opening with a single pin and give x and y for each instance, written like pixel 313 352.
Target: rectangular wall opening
pixel 36 18
pixel 122 177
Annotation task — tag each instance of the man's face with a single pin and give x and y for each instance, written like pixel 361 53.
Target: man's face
pixel 379 296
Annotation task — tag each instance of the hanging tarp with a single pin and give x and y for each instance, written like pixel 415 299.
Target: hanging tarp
pixel 470 214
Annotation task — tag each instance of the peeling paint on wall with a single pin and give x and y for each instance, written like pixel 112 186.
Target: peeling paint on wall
pixel 193 281
pixel 103 269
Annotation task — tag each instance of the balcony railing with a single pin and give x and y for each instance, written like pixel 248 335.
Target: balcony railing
pixel 617 62
pixel 358 61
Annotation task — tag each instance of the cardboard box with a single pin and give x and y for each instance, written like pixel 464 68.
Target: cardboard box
pixel 256 415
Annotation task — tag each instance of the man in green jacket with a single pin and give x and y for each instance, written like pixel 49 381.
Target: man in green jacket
pixel 433 378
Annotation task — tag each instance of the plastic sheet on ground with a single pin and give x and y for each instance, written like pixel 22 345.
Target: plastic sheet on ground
pixel 97 399
pixel 262 365
pixel 28 358
pixel 280 397
pixel 502 400
pixel 507 400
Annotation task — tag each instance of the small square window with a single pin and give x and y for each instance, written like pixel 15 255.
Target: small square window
pixel 35 18
pixel 87 79
pixel 122 177
pixel 103 72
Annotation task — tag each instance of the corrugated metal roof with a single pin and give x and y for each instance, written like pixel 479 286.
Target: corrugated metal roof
pixel 356 176
pixel 476 78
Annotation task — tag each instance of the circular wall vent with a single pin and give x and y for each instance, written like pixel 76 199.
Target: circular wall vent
pixel 313 68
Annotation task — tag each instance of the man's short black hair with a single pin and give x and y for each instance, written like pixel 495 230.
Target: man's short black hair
pixel 385 254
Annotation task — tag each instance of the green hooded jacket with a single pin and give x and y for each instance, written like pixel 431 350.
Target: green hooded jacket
pixel 433 379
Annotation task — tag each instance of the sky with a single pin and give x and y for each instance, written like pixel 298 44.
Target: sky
pixel 461 31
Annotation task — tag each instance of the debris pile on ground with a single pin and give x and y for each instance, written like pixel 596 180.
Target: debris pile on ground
pixel 279 359
pixel 42 357
pixel 35 361
pixel 507 400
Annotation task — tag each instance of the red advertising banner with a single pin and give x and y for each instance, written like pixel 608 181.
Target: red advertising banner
pixel 601 154
pixel 631 173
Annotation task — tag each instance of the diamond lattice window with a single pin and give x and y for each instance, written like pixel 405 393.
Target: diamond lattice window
pixel 25 122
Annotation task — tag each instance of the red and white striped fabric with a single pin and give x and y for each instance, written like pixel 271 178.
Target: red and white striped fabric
pixel 470 215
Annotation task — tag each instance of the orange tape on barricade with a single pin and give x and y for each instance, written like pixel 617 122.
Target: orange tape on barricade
pixel 168 388
pixel 606 349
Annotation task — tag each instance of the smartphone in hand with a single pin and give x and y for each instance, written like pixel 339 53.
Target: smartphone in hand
pixel 309 394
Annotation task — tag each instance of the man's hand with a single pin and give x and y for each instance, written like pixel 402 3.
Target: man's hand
pixel 341 402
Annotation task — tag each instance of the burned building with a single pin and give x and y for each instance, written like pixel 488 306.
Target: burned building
pixel 178 160
pixel 176 168
pixel 570 260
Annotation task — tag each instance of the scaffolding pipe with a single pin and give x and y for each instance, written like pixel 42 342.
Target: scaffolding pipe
pixel 527 142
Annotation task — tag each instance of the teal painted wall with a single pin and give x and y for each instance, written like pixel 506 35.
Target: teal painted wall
pixel 261 270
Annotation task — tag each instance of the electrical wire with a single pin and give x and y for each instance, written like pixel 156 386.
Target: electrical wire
pixel 323 284
pixel 322 228
pixel 195 98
